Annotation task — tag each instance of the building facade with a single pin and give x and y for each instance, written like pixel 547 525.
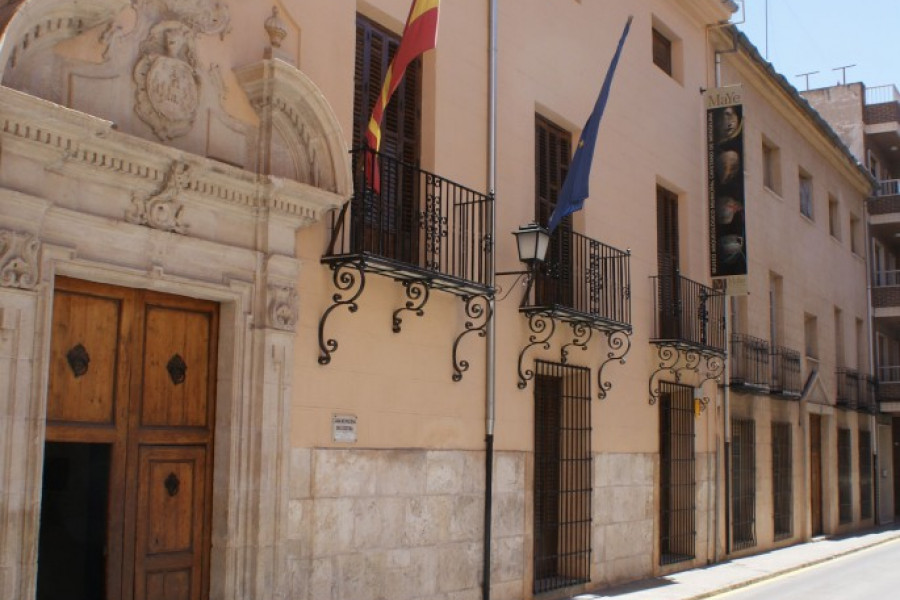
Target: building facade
pixel 867 120
pixel 244 357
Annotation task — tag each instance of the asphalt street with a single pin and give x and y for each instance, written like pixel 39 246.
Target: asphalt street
pixel 868 574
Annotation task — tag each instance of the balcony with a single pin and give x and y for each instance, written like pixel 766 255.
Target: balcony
pixel 847 388
pixel 583 280
pixel 749 361
pixel 885 289
pixel 689 315
pixel 416 228
pixel 688 331
pixel 585 284
pixel 856 391
pixel 881 115
pixel 785 373
pixel 889 385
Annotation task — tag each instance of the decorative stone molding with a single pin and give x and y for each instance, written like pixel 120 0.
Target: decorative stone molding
pixel 19 260
pixel 167 83
pixel 283 308
pixel 276 28
pixel 203 16
pixel 79 145
pixel 162 210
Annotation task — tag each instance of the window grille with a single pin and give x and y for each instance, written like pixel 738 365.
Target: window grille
pixel 865 475
pixel 677 485
pixel 743 483
pixel 562 476
pixel 782 484
pixel 845 493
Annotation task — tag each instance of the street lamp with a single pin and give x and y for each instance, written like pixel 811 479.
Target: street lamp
pixel 532 241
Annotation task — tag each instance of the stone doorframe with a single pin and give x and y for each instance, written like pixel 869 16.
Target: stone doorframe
pixel 80 199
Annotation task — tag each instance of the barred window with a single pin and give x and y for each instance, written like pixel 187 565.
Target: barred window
pixel 562 476
pixel 865 475
pixel 743 483
pixel 845 490
pixel 782 485
pixel 677 463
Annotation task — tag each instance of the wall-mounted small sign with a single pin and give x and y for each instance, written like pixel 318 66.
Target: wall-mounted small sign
pixel 343 428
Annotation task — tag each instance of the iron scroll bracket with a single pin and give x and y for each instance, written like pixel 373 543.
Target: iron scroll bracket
pixel 418 292
pixel 619 343
pixel 349 278
pixel 539 324
pixel 478 308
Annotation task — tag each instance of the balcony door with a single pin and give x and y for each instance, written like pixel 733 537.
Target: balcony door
pixel 668 258
pixel 552 153
pixel 387 221
pixel 127 479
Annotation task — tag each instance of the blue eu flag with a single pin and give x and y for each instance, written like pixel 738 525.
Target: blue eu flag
pixel 575 187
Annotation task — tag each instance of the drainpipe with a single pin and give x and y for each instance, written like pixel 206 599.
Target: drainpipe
pixel 491 332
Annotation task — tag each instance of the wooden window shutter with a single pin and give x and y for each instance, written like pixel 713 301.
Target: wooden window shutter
pixel 662 52
pixel 375 47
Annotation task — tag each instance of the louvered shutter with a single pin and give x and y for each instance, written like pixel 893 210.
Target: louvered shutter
pixel 553 147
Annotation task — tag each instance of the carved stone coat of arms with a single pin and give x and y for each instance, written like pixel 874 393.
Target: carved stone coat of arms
pixel 168 84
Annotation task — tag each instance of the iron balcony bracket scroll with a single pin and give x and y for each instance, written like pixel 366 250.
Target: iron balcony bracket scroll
pixel 477 307
pixel 715 367
pixel 349 278
pixel 581 334
pixel 668 360
pixel 678 360
pixel 619 343
pixel 538 323
pixel 418 292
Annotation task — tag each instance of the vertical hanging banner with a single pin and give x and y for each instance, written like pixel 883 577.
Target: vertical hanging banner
pixel 725 172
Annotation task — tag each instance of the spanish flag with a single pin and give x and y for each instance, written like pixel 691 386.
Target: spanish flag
pixel 419 35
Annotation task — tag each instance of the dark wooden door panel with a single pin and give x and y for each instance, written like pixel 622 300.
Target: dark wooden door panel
pixel 83 358
pixel 170 524
pixel 177 370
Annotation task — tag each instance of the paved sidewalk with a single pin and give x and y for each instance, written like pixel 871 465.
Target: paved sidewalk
pixel 740 572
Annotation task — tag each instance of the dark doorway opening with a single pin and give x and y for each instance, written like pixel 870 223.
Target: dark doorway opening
pixel 72 545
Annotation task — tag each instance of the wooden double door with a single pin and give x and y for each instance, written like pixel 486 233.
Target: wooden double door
pixel 125 511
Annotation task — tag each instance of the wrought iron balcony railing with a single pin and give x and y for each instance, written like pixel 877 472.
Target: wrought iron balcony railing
pixel 868 394
pixel 749 359
pixel 847 388
pixel 688 314
pixel 785 372
pixel 414 225
pixel 585 280
pixel 419 229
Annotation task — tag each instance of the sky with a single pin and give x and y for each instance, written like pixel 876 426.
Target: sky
pixel 820 35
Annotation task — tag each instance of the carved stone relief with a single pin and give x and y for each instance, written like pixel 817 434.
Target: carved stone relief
pixel 162 210
pixel 283 307
pixel 18 260
pixel 167 82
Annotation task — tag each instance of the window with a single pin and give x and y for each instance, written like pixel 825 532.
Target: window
pixel 855 235
pixel 865 475
pixel 834 217
pixel 667 260
pixel 771 166
pixel 662 52
pixel 782 480
pixel 845 494
pixel 839 357
pixel 552 151
pixel 806 194
pixel 743 483
pixel 676 473
pixel 811 336
pixel 388 223
pixel 375 48
pixel 562 476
